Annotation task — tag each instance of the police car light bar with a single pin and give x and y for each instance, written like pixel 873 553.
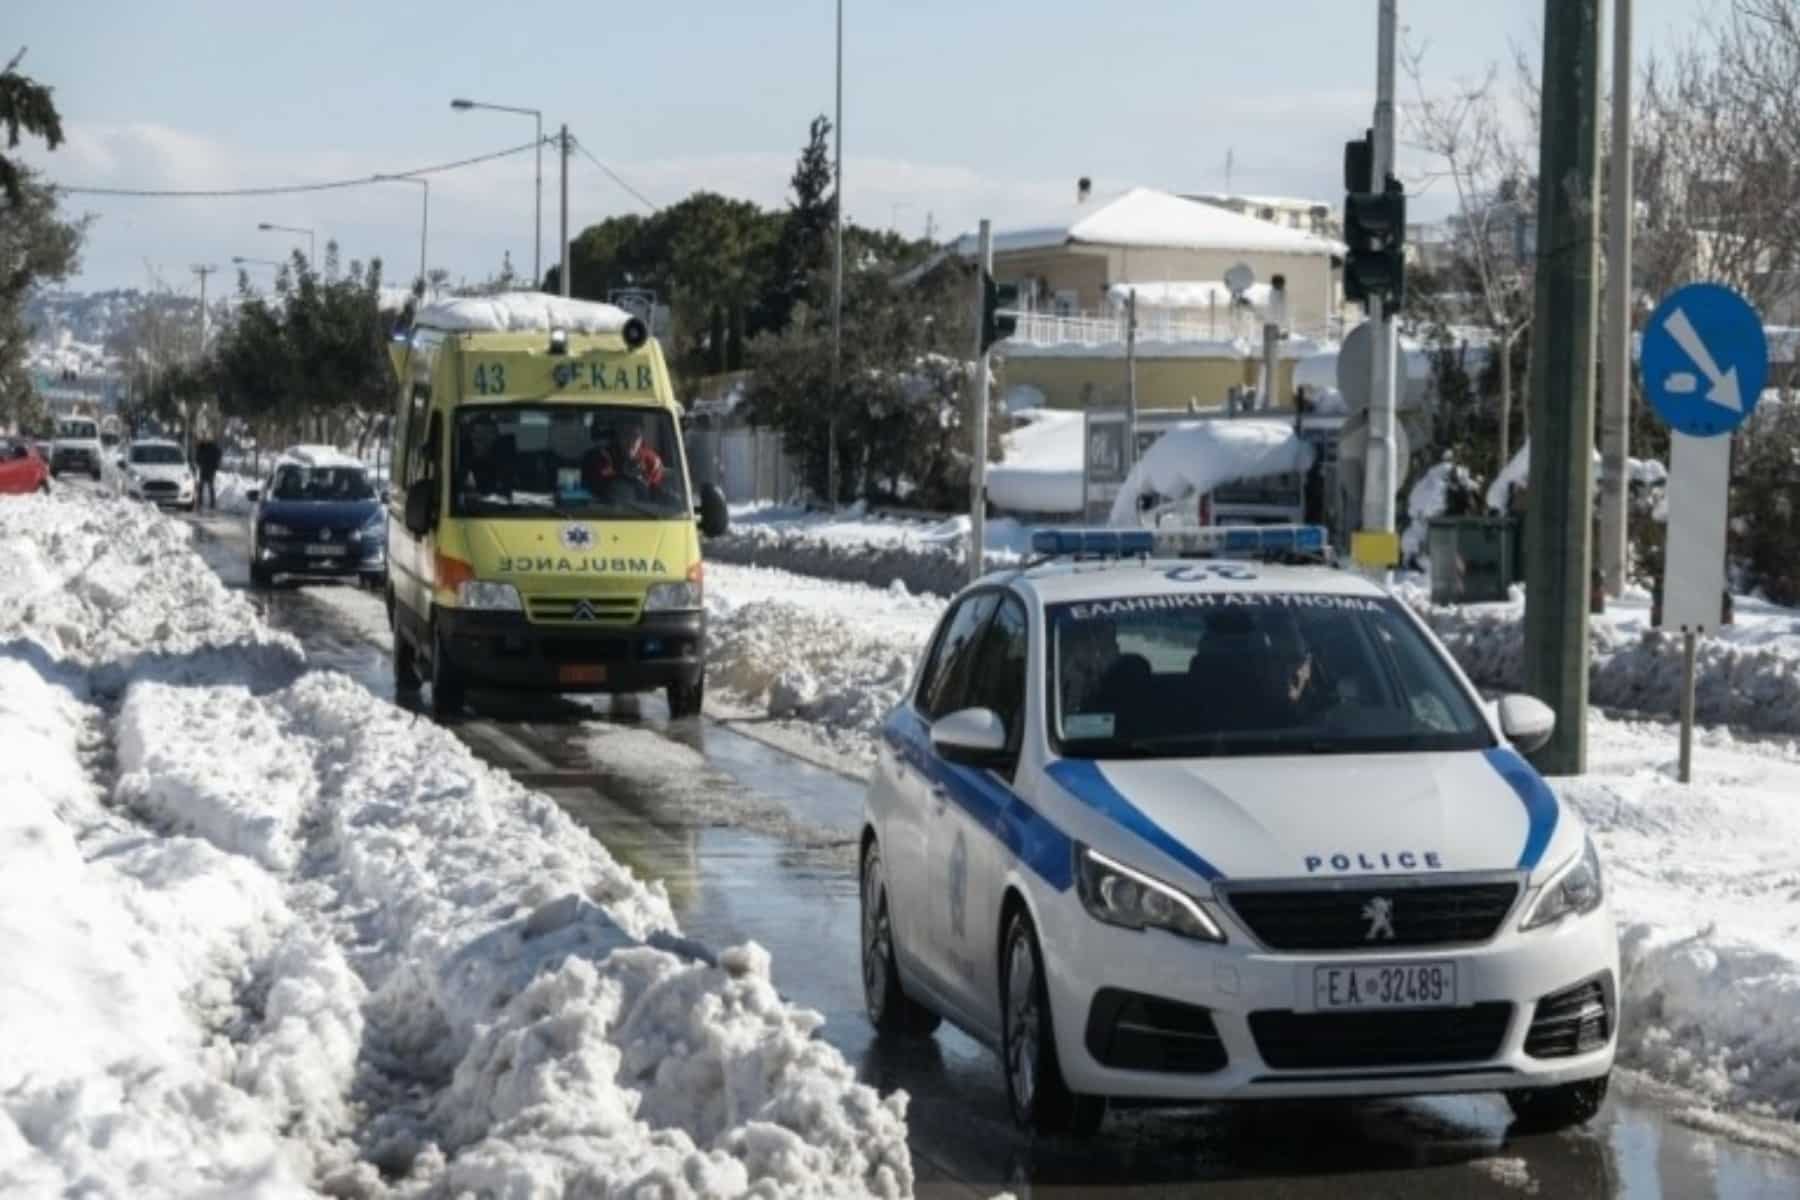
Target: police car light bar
pixel 1215 541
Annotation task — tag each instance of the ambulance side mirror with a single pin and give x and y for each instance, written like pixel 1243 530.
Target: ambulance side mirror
pixel 1526 721
pixel 715 517
pixel 419 515
pixel 253 494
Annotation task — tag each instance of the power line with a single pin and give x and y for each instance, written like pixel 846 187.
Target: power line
pixel 614 175
pixel 290 189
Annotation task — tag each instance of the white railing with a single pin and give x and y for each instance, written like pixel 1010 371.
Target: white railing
pixel 1106 329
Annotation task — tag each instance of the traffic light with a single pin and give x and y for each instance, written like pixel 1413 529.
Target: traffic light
pixel 1359 163
pixel 999 316
pixel 1375 231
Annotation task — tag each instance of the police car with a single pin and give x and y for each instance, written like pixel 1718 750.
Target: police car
pixel 1162 819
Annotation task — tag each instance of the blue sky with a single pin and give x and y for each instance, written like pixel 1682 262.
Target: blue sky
pixel 956 110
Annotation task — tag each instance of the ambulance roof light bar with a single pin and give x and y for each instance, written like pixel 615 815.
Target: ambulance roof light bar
pixel 1213 541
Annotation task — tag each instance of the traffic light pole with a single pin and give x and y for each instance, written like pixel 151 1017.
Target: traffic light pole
pixel 1379 474
pixel 1559 518
pixel 978 460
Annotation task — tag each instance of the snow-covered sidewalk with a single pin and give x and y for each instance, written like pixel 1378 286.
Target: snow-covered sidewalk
pixel 269 935
pixel 1705 879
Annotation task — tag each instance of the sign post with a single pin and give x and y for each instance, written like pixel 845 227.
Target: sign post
pixel 1704 362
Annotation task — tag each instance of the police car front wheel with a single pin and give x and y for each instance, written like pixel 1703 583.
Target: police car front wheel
pixel 1545 1110
pixel 890 1009
pixel 1041 1102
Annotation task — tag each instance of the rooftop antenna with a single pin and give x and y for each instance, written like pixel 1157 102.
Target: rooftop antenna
pixel 1228 164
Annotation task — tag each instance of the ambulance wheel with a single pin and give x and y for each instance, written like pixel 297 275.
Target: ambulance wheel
pixel 1546 1110
pixel 891 1010
pixel 448 687
pixel 685 701
pixel 1041 1102
pixel 406 665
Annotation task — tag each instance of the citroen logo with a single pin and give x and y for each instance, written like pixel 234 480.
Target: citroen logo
pixel 1379 913
pixel 585 612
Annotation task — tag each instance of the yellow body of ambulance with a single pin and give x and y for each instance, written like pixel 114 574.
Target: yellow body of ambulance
pixel 542 526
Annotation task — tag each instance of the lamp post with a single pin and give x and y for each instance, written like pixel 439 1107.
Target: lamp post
pixel 238 260
pixel 424 215
pixel 311 247
pixel 537 224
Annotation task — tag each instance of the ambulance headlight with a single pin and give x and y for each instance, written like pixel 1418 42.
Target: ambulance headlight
pixel 481 593
pixel 1574 892
pixel 1118 895
pixel 670 597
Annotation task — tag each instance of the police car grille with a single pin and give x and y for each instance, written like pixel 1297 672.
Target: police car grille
pixel 608 610
pixel 1291 1041
pixel 1333 919
pixel 1573 1021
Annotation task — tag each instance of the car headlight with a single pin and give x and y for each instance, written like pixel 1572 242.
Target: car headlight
pixel 1577 890
pixel 273 529
pixel 1117 894
pixel 479 593
pixel 662 597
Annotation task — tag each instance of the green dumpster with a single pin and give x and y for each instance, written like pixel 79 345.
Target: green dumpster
pixel 1473 559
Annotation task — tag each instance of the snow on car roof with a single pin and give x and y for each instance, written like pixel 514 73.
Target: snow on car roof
pixel 1063 581
pixel 320 456
pixel 521 312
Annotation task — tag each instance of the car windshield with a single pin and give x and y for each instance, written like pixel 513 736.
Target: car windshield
pixel 296 482
pixel 570 460
pixel 81 430
pixel 1248 673
pixel 156 454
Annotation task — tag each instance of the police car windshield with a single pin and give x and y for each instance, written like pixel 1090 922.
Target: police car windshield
pixel 568 460
pixel 166 455
pixel 1250 673
pixel 295 482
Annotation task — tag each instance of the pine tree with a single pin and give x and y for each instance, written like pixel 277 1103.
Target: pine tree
pixel 24 104
pixel 804 248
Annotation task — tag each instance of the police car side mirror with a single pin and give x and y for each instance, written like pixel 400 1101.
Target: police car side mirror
pixel 971 737
pixel 1527 722
pixel 715 517
pixel 419 515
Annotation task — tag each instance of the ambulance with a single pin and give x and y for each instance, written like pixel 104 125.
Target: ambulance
pixel 543 529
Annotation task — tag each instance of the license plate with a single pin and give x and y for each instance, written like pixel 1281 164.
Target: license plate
pixel 1385 985
pixel 584 674
pixel 319 551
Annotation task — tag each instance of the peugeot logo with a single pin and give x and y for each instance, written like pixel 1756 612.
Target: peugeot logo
pixel 585 612
pixel 1379 913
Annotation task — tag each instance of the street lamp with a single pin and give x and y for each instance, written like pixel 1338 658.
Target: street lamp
pixel 311 247
pixel 424 215
pixel 537 226
pixel 239 260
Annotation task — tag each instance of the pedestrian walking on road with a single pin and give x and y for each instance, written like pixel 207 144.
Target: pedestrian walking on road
pixel 206 463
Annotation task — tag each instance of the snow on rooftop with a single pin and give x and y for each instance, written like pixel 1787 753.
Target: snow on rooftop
pixel 521 312
pixel 1148 217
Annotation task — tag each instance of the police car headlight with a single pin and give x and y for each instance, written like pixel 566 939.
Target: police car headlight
pixel 663 597
pixel 1114 893
pixel 479 593
pixel 1576 891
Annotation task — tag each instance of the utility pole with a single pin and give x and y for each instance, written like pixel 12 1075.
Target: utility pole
pixel 978 470
pixel 187 418
pixel 563 273
pixel 1615 404
pixel 1131 411
pixel 837 268
pixel 1559 520
pixel 1379 468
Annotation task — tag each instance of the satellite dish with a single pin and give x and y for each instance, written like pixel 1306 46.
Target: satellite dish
pixel 1239 279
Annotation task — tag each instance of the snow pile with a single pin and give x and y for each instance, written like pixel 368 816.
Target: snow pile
pixel 1429 498
pixel 1040 470
pixel 1748 673
pixel 521 312
pixel 834 656
pixel 1705 884
pixel 1196 457
pixel 283 937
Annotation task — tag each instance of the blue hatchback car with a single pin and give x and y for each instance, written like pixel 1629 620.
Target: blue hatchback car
pixel 318 516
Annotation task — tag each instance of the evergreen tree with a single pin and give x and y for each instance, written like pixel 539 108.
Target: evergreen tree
pixel 803 251
pixel 25 105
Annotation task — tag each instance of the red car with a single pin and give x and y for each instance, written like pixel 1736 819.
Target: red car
pixel 21 470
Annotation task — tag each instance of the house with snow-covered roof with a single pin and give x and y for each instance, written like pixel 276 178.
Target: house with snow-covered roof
pixel 1078 270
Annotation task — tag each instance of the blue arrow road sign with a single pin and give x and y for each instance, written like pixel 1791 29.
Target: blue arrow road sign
pixel 1704 359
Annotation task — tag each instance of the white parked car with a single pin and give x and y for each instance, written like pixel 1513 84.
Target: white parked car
pixel 76 447
pixel 156 471
pixel 1202 828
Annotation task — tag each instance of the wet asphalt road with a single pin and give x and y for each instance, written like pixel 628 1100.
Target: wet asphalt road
pixel 754 844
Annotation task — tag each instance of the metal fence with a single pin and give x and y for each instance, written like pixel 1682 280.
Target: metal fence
pixel 748 464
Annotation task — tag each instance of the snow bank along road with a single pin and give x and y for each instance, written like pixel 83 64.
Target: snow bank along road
pixel 266 933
